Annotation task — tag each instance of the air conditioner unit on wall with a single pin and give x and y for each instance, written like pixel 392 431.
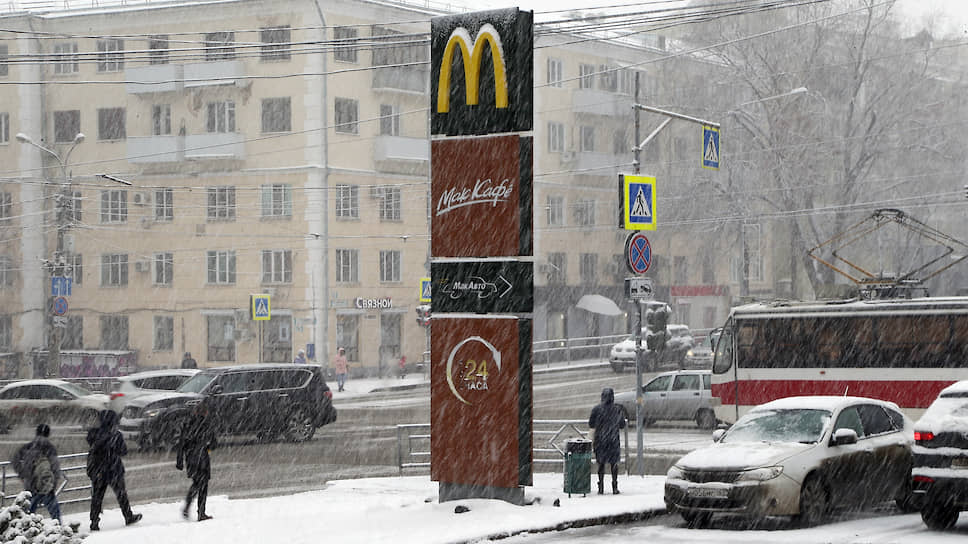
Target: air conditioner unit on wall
pixel 141 198
pixel 142 265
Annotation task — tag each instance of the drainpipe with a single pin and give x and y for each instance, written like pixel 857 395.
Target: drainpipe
pixel 322 347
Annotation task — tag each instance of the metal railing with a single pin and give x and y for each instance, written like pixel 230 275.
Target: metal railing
pixel 549 436
pixel 11 485
pixel 575 349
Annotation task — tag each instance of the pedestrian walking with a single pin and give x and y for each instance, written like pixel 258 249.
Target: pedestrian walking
pixel 198 436
pixel 340 365
pixel 105 468
pixel 403 367
pixel 607 418
pixel 188 361
pixel 37 464
pixel 300 357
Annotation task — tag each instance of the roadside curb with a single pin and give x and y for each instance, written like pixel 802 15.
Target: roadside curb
pixel 613 519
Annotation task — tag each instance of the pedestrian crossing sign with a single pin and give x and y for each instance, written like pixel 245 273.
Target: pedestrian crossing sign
pixel 260 307
pixel 424 289
pixel 637 200
pixel 710 147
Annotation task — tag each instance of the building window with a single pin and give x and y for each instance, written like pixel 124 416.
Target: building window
pixel 389 120
pixel 588 268
pixel 347 115
pixel 110 55
pixel 608 78
pixel 6 333
pixel 114 332
pixel 556 211
pixel 556 137
pixel 277 200
pixel 347 265
pixel 345 44
pixel 221 338
pixel 586 76
pixel 276 114
pixel 587 139
pixel 221 116
pixel 390 204
pixel 74 213
pixel 4 60
pixel 276 43
pixel 164 268
pixel 276 266
pixel 8 272
pixel 158 49
pixel 6 206
pixel 75 267
pixel 348 335
pixel 160 119
pixel 110 124
pixel 392 47
pixel 221 203
pixel 390 266
pixel 221 267
pixel 114 206
pixel 73 336
pixel 4 128
pixel 67 124
pixel 348 201
pixel 626 80
pixel 558 268
pixel 164 204
pixel 219 45
pixel 114 269
pixel 164 333
pixel 554 72
pixel 585 213
pixel 65 58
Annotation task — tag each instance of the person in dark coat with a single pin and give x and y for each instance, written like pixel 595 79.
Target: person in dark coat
pixel 607 418
pixel 199 435
pixel 188 361
pixel 41 480
pixel 105 468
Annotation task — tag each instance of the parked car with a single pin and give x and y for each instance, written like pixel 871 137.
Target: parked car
pixel 49 401
pixel 701 354
pixel 679 341
pixel 267 400
pixel 940 474
pixel 126 388
pixel 678 395
pixel 800 457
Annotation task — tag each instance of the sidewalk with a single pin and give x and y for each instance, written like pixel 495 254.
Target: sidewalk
pixel 395 509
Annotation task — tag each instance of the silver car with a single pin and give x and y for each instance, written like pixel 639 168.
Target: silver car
pixel 678 395
pixel 132 386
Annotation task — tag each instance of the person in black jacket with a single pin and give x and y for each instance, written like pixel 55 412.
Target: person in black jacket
pixel 38 466
pixel 607 418
pixel 199 435
pixel 105 468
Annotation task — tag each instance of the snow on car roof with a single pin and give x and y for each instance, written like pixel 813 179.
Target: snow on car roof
pixel 947 413
pixel 818 402
pixel 159 372
pixel 37 381
pixel 959 387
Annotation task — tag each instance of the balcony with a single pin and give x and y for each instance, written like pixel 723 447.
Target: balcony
pixel 398 148
pixel 595 102
pixel 215 145
pixel 150 149
pixel 401 78
pixel 223 72
pixel 154 78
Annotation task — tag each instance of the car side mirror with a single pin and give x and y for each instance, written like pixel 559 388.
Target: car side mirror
pixel 844 436
pixel 216 389
pixel 718 434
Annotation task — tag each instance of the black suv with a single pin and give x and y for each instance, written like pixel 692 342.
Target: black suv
pixel 940 474
pixel 268 400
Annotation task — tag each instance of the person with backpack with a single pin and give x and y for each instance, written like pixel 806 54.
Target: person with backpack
pixel 198 436
pixel 37 464
pixel 105 468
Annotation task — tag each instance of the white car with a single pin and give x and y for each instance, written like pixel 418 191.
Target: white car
pixel 678 342
pixel 701 354
pixel 680 395
pixel 798 456
pixel 49 401
pixel 132 386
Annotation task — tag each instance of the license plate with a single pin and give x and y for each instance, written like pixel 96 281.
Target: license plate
pixel 708 492
pixel 959 462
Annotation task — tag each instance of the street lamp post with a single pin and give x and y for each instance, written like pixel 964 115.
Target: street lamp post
pixel 57 266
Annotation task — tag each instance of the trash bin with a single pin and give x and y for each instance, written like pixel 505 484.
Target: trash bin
pixel 578 466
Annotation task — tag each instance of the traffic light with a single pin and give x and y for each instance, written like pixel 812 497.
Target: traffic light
pixel 423 315
pixel 657 320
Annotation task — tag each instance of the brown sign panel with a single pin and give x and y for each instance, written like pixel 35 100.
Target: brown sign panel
pixel 480 401
pixel 481 197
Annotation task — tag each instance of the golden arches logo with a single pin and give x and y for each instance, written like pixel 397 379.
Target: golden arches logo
pixel 472 56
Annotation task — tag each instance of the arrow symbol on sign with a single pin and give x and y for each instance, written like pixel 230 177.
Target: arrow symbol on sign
pixel 506 282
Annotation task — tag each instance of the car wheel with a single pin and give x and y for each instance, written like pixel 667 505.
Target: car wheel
pixel 696 520
pixel 299 426
pixel 939 516
pixel 813 502
pixel 706 419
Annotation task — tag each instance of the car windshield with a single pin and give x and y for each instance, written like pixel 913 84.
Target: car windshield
pixel 196 383
pixel 76 389
pixel 793 425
